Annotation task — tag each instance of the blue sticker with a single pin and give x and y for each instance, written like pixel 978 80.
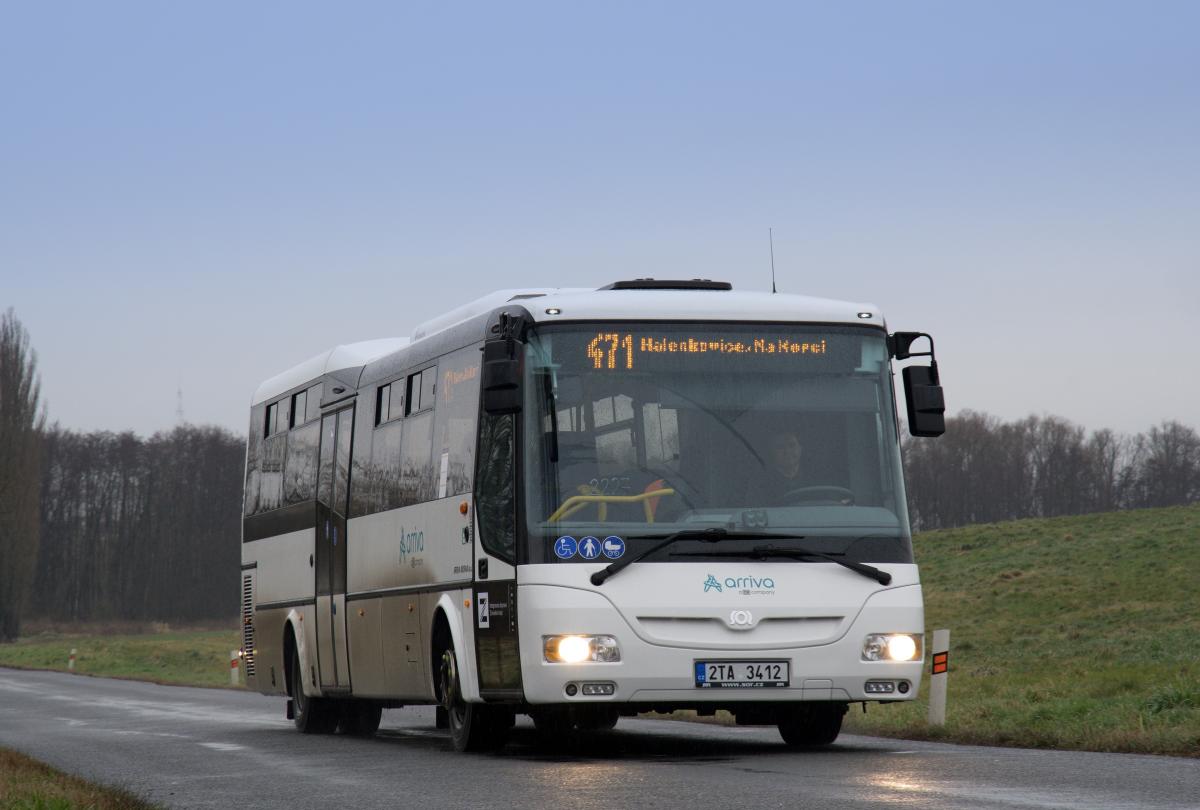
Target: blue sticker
pixel 589 548
pixel 565 547
pixel 614 547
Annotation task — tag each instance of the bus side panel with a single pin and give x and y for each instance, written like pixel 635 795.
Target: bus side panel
pixel 422 549
pixel 364 623
pixel 285 572
pixel 270 670
pixel 283 580
pixel 404 647
pixel 420 546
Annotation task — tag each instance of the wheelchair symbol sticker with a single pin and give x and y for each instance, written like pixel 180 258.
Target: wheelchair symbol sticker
pixel 565 547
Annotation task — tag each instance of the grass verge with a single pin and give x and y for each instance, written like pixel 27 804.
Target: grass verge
pixel 26 784
pixel 1071 633
pixel 182 657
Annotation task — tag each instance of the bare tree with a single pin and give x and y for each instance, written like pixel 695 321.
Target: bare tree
pixel 20 426
pixel 1170 469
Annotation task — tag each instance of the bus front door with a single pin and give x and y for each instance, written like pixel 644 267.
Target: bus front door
pixel 332 507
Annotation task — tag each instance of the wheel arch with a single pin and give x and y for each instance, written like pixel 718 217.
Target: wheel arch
pixel 294 641
pixel 447 621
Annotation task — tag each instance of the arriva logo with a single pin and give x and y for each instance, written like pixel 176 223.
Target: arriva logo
pixel 411 543
pixel 746 585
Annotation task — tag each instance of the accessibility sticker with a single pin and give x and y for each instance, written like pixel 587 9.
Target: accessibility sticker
pixel 565 547
pixel 614 547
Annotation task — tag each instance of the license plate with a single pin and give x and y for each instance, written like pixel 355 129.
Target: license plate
pixel 741 674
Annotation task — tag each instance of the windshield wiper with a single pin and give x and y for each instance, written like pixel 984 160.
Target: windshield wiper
pixel 762 552
pixel 709 535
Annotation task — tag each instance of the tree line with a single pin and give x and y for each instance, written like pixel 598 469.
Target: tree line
pixel 104 526
pixel 139 529
pixel 985 470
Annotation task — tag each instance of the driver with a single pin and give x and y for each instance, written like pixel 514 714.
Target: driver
pixel 781 472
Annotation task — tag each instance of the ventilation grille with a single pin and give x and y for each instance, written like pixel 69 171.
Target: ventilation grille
pixel 248 624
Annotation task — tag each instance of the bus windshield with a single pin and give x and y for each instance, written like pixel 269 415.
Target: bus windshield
pixel 639 430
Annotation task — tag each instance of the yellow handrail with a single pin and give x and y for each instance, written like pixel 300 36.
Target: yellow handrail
pixel 576 502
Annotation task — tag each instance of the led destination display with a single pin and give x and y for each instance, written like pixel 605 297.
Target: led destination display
pixel 629 351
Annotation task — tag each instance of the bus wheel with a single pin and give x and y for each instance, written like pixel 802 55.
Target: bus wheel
pixel 596 718
pixel 555 724
pixel 360 718
pixel 312 715
pixel 808 726
pixel 473 726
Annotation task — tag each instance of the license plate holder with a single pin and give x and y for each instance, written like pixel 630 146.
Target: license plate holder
pixel 742 674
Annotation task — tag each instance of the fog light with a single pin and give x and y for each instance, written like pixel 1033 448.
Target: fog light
pixel 903 687
pixel 879 687
pixel 571 690
pixel 593 689
pixel 892 647
pixel 575 649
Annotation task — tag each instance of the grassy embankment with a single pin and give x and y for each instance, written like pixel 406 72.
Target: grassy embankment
pixel 26 784
pixel 188 657
pixel 1072 632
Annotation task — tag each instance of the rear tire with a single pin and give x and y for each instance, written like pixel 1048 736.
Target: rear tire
pixel 360 718
pixel 473 726
pixel 812 725
pixel 312 715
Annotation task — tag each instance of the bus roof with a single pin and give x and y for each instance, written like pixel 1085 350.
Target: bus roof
pixel 350 355
pixel 664 304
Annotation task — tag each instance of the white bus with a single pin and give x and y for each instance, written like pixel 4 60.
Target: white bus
pixel 583 504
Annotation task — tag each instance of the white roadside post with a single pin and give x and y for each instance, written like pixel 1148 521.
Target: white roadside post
pixel 937 681
pixel 71 660
pixel 233 667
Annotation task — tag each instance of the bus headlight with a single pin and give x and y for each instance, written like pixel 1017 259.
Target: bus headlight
pixel 580 649
pixel 892 647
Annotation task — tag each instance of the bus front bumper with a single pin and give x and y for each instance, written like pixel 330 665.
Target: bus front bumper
pixel 665 675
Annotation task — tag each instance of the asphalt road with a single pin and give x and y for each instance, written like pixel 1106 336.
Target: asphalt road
pixel 225 749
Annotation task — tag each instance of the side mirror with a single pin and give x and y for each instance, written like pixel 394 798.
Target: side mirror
pixel 926 406
pixel 501 381
pixel 922 388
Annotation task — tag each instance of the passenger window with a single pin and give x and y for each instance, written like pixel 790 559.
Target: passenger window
pixel 383 403
pixel 420 390
pixel 300 467
pixel 312 407
pixel 298 408
pixel 455 424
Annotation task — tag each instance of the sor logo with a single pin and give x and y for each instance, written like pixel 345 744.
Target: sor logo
pixel 741 618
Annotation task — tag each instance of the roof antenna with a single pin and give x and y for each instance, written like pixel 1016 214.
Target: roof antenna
pixel 771 237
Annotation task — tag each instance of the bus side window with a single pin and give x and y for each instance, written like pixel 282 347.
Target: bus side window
pixel 494 486
pixel 455 427
pixel 254 451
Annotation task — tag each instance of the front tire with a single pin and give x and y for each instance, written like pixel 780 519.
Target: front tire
pixel 812 725
pixel 312 715
pixel 473 726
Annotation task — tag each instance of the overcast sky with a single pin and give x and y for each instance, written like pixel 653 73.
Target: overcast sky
pixel 197 196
